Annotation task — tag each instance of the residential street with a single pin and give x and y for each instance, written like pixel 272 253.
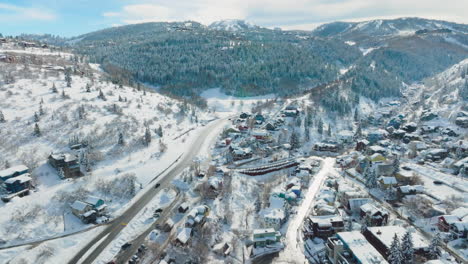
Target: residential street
pixel 293 252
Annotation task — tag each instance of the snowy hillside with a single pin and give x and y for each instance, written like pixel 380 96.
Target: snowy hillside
pixel 232 25
pixel 131 134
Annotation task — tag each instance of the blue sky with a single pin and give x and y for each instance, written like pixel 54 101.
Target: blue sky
pixel 75 17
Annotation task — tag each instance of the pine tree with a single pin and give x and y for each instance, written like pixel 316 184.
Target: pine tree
pixel 7 164
pixel 36 117
pixel 2 117
pixel 294 140
pixel 121 139
pixel 68 78
pixel 356 115
pixel 371 178
pixel 407 248
pixel 101 95
pixel 329 131
pixel 37 131
pixel 88 88
pixel 63 94
pixel 396 165
pixel 54 89
pixel 306 133
pixel 434 250
pixel 159 131
pixel 358 133
pixel 41 110
pixel 320 126
pixel 395 255
pixel 147 136
pixel 120 99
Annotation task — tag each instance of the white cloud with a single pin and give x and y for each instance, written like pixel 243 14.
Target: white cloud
pixel 290 14
pixel 10 12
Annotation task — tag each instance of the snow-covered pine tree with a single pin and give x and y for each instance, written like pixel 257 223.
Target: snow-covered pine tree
pixel 306 133
pixel 371 178
pixel 41 110
pixel 37 131
pixel 407 248
pixel 36 117
pixel 395 256
pixel 121 139
pixel 2 117
pixel 88 88
pixel 434 250
pixel 68 78
pixel 6 165
pixel 320 126
pixel 120 99
pixel 294 140
pixel 54 89
pixel 159 131
pixel 356 115
pixel 358 133
pixel 396 165
pixel 329 130
pixel 147 138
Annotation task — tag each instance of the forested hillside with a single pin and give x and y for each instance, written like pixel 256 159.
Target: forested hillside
pixel 374 59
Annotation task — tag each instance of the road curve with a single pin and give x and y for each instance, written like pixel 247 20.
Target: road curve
pixel 165 180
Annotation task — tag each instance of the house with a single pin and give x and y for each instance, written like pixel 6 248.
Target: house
pixel 353 206
pixel 168 225
pixel 326 225
pixel 376 135
pixel 66 164
pixel 374 215
pixel 352 248
pixel 376 149
pixel 377 157
pixel 78 208
pixel 362 145
pixel 326 147
pixel 261 135
pixel 276 214
pixel 223 249
pixel 259 118
pixel 89 217
pixel 270 127
pixel 345 136
pixel 18 183
pixel 387 182
pixel 405 190
pixel 404 176
pixel 184 236
pixel 445 221
pixel 96 203
pixel 265 237
pixel 381 238
pixel 13 172
pixel 384 169
pixel 240 153
pixel 183 208
pixel 436 154
pixel 244 116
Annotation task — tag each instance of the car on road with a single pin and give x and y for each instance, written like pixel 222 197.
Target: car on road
pixel 102 220
pixel 438 182
pixel 135 259
pixel 159 210
pixel 125 246
pixel 157 185
pixel 156 215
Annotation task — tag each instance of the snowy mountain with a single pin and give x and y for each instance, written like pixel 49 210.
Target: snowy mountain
pixel 232 25
pixel 391 27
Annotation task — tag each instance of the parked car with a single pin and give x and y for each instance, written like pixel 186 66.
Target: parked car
pixel 125 246
pixel 438 182
pixel 157 185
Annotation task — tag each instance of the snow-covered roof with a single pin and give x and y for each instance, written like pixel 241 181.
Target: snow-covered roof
pixel 79 205
pixel 323 220
pixel 184 235
pixel 372 209
pixel 12 170
pixel 276 202
pixel 411 188
pixel 388 180
pixel 361 248
pixel 22 179
pixel 274 213
pixel 450 219
pixel 67 157
pixel 345 133
pixel 356 203
pixel 263 231
pixel 461 162
pixel 386 233
pixel 460 212
pixel 92 200
pixel 377 149
pixel 89 213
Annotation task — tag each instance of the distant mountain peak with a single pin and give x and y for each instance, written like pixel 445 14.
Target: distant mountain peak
pixel 232 25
